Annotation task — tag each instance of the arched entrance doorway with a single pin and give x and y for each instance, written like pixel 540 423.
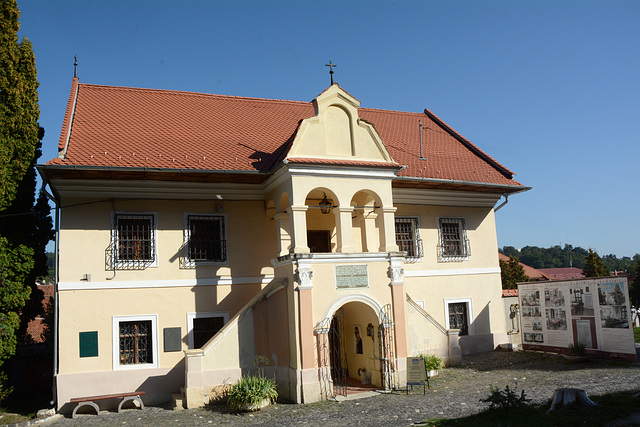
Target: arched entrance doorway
pixel 356 351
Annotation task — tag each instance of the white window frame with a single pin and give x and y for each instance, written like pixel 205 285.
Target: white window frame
pixel 203 314
pixel 122 264
pixel 469 303
pixel 186 232
pixel 466 245
pixel 415 224
pixel 116 341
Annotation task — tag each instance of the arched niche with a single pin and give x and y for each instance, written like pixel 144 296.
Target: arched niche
pixel 365 224
pixel 321 221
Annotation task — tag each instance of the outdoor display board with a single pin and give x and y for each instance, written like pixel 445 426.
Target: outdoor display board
pixel 594 312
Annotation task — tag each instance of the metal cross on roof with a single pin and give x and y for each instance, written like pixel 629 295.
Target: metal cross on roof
pixel 75 66
pixel 330 65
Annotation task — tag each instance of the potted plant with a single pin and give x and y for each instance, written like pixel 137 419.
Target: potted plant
pixel 253 392
pixel 432 363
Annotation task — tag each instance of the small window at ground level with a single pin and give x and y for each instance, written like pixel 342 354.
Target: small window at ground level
pixel 136 342
pixel 459 317
pixel 408 237
pixel 204 328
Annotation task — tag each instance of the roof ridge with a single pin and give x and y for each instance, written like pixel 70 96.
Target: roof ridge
pixel 186 92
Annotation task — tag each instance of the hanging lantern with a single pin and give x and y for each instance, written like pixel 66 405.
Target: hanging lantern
pixel 325 205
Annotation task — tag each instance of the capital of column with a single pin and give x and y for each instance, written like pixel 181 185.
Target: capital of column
pixel 299 208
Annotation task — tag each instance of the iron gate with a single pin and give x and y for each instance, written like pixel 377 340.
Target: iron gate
pixel 385 339
pixel 337 355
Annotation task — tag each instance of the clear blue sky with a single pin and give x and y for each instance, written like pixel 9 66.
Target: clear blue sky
pixel 551 89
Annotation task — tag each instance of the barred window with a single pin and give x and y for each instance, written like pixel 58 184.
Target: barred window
pixel 458 317
pixel 134 240
pixel 136 342
pixel 202 326
pixel 408 238
pixel 205 239
pixel 454 245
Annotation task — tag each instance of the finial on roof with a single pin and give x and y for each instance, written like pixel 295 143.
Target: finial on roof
pixel 75 66
pixel 330 65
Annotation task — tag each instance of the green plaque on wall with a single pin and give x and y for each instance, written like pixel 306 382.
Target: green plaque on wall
pixel 88 344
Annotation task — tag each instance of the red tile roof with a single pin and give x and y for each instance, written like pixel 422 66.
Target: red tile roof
pixel 529 271
pixel 566 273
pixel 121 127
pixel 509 293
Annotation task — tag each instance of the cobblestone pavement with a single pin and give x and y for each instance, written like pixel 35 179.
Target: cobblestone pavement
pixel 456 392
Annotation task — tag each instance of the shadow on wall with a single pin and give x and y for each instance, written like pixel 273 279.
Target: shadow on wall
pixel 482 338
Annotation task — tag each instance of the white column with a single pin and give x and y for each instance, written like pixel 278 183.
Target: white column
pixel 283 225
pixel 344 228
pixel 299 228
pixel 388 232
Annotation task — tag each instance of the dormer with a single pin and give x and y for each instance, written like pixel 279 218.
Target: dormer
pixel 337 133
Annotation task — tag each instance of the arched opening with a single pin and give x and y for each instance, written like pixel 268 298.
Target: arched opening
pixel 354 349
pixel 321 222
pixel 366 227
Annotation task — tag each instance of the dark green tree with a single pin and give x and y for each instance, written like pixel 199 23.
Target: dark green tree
pixel 594 267
pixel 634 284
pixel 19 150
pixel 511 273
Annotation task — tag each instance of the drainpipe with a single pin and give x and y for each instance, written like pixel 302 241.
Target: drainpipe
pixel 506 200
pixel 55 296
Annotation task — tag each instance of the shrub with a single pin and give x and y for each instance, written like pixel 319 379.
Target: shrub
pixel 577 349
pixel 507 398
pixel 252 390
pixel 432 362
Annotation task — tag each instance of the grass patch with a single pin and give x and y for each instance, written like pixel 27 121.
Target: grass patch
pixel 610 407
pixel 636 334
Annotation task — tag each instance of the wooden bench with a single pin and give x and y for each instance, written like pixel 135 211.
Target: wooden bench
pixel 135 396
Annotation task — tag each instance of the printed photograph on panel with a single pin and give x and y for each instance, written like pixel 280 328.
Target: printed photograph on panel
pixel 536 326
pixel 530 298
pixel 613 305
pixel 581 301
pixel 531 312
pixel 529 337
pixel 556 319
pixel 553 297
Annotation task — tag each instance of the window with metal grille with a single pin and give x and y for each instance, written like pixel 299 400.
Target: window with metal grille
pixel 408 238
pixel 204 328
pixel 205 239
pixel 136 342
pixel 454 245
pixel 458 317
pixel 134 240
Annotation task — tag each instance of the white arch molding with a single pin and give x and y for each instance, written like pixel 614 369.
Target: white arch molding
pixel 372 303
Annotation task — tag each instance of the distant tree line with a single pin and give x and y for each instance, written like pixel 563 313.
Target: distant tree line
pixel 569 256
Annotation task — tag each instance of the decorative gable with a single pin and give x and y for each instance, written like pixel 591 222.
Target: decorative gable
pixel 337 133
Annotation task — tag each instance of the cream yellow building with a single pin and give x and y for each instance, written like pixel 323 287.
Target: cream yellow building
pixel 198 231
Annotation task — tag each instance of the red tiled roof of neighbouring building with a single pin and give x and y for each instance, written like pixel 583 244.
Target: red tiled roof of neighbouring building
pixel 509 292
pixel 121 127
pixel 566 273
pixel 534 274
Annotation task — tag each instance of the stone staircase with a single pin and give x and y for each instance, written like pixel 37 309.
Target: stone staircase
pixel 178 402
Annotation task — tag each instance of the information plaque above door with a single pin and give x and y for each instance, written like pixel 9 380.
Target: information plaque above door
pixel 352 276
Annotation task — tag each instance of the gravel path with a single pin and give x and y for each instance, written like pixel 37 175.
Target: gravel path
pixel 456 392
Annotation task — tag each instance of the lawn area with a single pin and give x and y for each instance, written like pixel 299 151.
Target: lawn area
pixel 636 334
pixel 610 407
